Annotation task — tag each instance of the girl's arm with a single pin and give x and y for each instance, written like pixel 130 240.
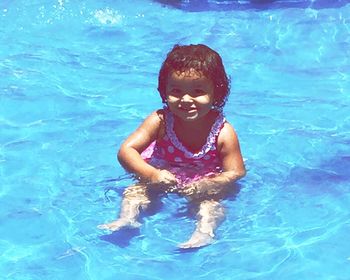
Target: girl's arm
pixel 232 165
pixel 130 151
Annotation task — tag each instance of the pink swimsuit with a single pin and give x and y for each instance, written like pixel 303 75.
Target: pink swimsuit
pixel 169 153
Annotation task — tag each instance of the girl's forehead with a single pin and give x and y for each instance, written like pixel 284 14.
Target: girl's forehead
pixel 189 79
pixel 188 74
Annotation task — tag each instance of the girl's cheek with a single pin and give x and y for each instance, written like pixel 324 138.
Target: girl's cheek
pixel 204 99
pixel 172 98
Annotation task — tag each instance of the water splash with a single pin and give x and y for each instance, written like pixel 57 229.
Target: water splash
pixel 108 17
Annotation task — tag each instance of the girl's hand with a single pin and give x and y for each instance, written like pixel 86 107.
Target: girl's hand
pixel 199 189
pixel 163 177
pixel 190 191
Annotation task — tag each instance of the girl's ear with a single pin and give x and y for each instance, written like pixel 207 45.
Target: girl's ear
pixel 217 105
pixel 215 102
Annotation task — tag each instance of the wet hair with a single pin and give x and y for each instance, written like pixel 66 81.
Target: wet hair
pixel 203 60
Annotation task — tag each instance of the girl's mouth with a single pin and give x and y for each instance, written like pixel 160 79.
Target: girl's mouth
pixel 188 109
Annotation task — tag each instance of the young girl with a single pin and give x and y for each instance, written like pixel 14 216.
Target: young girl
pixel 186 148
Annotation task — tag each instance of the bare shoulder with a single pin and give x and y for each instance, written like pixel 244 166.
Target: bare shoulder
pixel 154 119
pixel 152 125
pixel 146 133
pixel 230 151
pixel 227 135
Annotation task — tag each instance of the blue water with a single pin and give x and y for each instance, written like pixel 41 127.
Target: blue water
pixel 76 77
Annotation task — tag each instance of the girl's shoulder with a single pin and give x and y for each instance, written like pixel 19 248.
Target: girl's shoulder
pixel 160 116
pixel 160 113
pixel 153 124
pixel 227 130
pixel 227 135
pixel 156 116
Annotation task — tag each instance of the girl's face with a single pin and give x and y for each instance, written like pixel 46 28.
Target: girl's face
pixel 189 94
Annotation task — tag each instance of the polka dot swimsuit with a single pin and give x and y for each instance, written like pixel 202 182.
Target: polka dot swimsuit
pixel 169 153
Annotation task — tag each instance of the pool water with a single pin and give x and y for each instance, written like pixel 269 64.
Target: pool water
pixel 77 77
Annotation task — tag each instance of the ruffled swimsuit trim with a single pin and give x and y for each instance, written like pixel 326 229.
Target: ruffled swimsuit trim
pixel 211 139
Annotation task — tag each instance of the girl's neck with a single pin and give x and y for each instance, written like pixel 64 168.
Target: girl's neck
pixel 193 134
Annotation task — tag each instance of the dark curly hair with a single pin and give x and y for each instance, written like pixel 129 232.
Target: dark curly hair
pixel 202 59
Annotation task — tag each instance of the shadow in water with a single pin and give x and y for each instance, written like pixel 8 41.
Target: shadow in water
pixel 188 250
pixel 121 237
pixel 207 5
pixel 334 171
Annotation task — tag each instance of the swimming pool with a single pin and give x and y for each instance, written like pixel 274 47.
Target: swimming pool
pixel 77 77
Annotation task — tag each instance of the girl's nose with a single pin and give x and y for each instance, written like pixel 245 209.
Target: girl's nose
pixel 186 98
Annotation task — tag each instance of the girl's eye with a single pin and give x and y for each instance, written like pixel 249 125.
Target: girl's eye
pixel 199 92
pixel 175 91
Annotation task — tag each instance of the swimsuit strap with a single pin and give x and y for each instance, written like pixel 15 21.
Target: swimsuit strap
pixel 210 142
